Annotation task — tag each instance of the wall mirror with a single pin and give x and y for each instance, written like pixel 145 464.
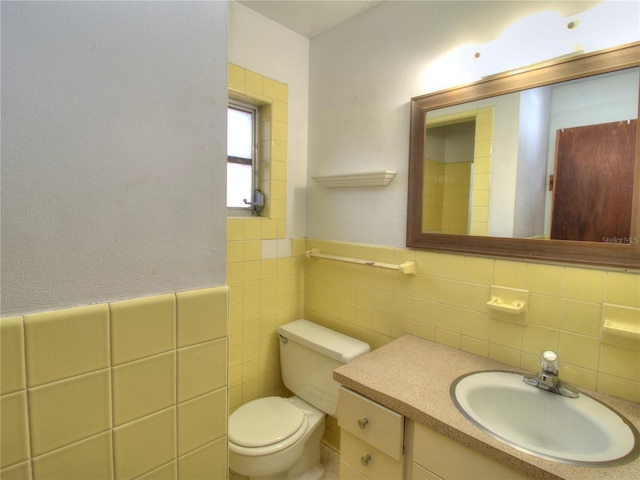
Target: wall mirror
pixel 539 164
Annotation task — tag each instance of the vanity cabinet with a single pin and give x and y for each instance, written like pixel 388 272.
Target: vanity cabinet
pixel 438 457
pixel 371 439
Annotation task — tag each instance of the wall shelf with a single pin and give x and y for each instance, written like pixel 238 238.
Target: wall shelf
pixel 364 179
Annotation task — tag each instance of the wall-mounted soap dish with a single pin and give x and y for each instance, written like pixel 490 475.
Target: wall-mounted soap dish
pixel 498 304
pixel 509 304
pixel 620 325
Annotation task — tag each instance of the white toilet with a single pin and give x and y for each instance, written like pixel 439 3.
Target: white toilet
pixel 278 438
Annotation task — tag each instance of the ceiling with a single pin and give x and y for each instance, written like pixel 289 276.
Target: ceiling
pixel 309 17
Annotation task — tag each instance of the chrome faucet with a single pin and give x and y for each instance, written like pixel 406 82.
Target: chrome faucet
pixel 548 378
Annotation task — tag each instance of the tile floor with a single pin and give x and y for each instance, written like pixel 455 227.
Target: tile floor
pixel 329 458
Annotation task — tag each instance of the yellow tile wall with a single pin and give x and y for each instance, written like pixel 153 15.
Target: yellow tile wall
pixel 433 196
pixel 266 291
pixel 446 202
pixel 130 389
pixel 457 184
pixel 446 302
pixel 479 224
pixel 265 270
pixel 272 98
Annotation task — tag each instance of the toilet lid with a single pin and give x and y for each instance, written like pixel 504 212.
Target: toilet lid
pixel 264 421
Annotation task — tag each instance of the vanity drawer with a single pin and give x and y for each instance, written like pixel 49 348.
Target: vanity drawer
pixel 367 460
pixel 371 422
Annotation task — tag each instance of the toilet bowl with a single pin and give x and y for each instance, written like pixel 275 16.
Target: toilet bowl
pixel 276 438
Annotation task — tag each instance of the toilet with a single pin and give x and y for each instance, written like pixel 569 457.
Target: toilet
pixel 276 438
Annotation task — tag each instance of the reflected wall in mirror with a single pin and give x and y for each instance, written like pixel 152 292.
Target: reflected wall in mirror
pixel 491 165
pixel 538 164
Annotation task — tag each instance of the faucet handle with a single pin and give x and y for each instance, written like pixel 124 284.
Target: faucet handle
pixel 549 361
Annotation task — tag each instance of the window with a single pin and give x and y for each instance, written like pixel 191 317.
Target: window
pixel 242 169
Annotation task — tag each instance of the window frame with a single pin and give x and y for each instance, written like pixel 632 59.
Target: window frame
pixel 254 110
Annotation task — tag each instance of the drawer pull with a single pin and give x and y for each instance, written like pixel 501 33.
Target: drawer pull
pixel 365 460
pixel 363 422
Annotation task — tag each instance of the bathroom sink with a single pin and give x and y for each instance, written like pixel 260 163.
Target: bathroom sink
pixel 579 431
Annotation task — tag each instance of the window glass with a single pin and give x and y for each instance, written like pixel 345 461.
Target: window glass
pixel 238 185
pixel 241 157
pixel 239 133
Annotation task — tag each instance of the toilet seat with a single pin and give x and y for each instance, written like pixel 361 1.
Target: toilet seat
pixel 265 426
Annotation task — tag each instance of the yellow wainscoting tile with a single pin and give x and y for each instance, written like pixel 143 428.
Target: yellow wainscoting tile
pixel 142 327
pixel 506 334
pixel 474 297
pixel 252 270
pixel 201 368
pixel 14 429
pixel 510 273
pixel 202 420
pixel 236 78
pixel 448 318
pixel 280 91
pixel 253 228
pixel 235 251
pixel 143 387
pixel 254 85
pixel 478 270
pixel 70 410
pixel 623 289
pixel 450 266
pixel 619 387
pixel 475 346
pixel 201 315
pixel 537 339
pixel 584 284
pixel 91 458
pixel 545 311
pixel 475 325
pixel 581 317
pixel 546 279
pixel 145 444
pixel 579 350
pixel 209 461
pixel 252 250
pixel 581 377
pixel 269 228
pixel 165 472
pixel 12 368
pixel 620 362
pixel 235 229
pixel 445 337
pixel 64 343
pixel 20 471
pixel 504 354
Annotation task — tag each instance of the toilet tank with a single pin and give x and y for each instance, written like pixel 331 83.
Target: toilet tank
pixel 308 355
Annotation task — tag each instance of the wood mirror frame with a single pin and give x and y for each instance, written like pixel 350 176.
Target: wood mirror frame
pixel 625 256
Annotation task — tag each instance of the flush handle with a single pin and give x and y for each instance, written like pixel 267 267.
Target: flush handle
pixel 363 422
pixel 364 460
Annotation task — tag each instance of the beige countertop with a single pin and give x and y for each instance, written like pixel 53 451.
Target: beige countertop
pixel 412 376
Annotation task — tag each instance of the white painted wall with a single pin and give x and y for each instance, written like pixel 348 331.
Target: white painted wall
pixel 113 150
pixel 267 48
pixel 362 76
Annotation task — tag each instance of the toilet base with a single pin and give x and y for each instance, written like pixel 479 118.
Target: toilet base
pixel 307 466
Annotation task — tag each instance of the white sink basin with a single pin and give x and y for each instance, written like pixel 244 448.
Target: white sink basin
pixel 580 431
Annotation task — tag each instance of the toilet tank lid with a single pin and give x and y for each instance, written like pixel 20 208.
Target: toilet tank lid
pixel 338 346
